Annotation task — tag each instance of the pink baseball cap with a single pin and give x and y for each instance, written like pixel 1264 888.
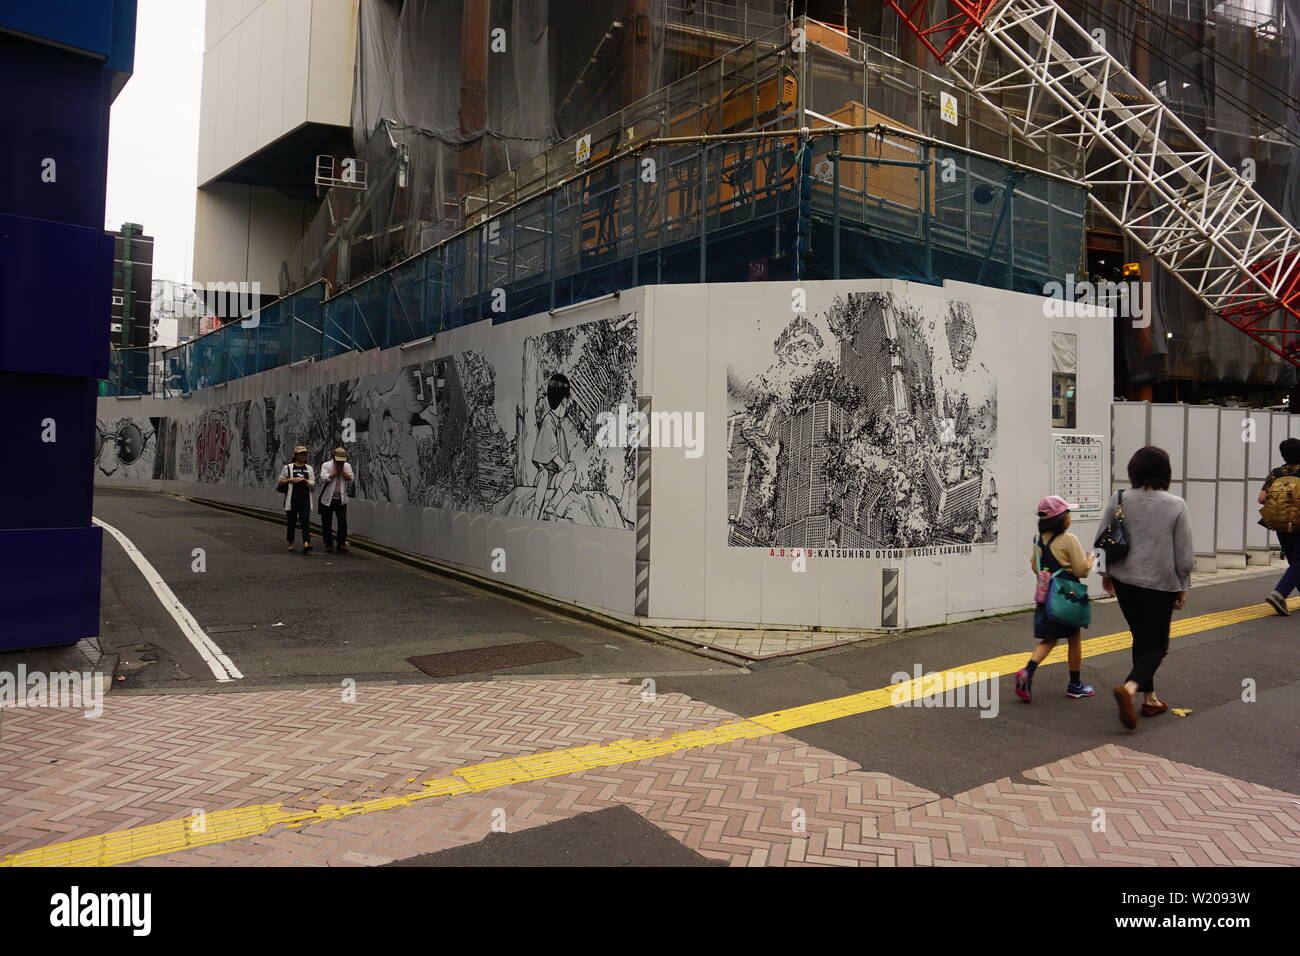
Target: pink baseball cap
pixel 1053 505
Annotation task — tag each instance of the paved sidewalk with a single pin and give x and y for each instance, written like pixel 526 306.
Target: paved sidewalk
pixel 759 643
pixel 774 800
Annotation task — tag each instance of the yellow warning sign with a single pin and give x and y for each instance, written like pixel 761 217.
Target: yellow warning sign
pixel 948 108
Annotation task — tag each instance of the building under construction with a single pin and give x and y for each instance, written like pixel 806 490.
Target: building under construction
pixel 865 245
pixel 521 117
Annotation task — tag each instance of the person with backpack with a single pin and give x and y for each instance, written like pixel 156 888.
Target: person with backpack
pixel 1150 580
pixel 1061 609
pixel 297 479
pixel 1280 497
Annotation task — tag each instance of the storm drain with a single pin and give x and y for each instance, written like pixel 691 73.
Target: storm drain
pixel 481 660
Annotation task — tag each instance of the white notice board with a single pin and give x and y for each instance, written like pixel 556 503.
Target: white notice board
pixel 1076 473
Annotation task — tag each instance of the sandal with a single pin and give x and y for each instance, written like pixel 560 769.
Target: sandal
pixel 1151 710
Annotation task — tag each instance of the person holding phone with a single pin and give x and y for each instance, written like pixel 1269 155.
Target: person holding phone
pixel 297 479
pixel 336 473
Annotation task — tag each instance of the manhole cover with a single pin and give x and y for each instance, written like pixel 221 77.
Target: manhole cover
pixel 480 660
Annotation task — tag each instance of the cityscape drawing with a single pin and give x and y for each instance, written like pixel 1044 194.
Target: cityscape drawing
pixel 875 426
pixel 516 437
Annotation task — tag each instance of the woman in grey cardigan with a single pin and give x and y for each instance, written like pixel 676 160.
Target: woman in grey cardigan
pixel 1151 581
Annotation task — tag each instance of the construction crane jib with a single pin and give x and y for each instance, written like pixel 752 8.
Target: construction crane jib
pixel 1168 191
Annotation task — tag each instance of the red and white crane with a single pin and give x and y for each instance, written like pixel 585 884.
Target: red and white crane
pixel 1177 199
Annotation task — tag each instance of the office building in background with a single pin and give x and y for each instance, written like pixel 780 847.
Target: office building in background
pixel 132 300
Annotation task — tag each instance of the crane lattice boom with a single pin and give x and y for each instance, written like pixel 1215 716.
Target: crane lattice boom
pixel 1177 199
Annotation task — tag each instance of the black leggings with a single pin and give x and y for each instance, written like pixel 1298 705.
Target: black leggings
pixel 299 513
pixel 1148 613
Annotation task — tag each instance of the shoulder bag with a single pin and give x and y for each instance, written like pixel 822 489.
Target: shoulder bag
pixel 1113 539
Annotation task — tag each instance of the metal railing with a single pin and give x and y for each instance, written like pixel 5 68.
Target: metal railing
pixel 777 204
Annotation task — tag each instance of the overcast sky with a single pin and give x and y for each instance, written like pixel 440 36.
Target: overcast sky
pixel 154 134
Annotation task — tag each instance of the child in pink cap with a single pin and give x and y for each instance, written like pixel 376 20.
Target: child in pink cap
pixel 1055 549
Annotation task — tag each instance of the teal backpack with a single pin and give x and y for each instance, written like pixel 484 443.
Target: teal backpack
pixel 1067 600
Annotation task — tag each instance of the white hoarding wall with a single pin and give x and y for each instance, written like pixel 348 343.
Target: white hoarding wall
pixel 480 450
pixel 856 454
pixel 1219 458
pixel 874 459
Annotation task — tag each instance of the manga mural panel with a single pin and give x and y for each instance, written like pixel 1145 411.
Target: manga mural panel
pixel 510 435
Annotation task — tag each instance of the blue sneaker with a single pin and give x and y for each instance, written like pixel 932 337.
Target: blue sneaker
pixel 1078 690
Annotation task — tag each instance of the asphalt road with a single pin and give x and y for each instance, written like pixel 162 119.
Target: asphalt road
pixel 291 619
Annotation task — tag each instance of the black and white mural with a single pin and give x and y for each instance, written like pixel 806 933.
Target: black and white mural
pixel 872 424
pixel 509 433
pixel 127 448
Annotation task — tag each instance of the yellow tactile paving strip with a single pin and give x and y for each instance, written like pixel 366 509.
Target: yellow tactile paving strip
pixel 223 826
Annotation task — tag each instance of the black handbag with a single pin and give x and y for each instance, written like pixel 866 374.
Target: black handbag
pixel 1113 539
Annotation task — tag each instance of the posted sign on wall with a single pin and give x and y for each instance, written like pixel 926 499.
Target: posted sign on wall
pixel 1077 473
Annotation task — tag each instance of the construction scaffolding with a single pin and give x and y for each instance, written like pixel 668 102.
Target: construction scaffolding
pixel 802 153
pixel 723 67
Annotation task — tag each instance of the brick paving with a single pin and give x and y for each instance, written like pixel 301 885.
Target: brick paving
pixel 156 758
pixel 769 801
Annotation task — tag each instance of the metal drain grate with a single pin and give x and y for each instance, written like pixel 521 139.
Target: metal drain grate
pixel 480 660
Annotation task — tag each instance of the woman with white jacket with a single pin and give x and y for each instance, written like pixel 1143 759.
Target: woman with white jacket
pixel 298 479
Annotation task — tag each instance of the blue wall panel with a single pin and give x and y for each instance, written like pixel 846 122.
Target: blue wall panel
pixel 51 583
pixel 56 283
pixel 55 107
pixel 56 491
pixel 82 24
pixel 61 64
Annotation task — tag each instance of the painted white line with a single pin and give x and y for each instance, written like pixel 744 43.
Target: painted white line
pixel 222 668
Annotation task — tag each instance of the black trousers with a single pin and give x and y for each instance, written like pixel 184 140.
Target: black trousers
pixel 299 512
pixel 1148 613
pixel 327 515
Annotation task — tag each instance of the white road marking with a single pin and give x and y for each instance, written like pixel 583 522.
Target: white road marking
pixel 222 668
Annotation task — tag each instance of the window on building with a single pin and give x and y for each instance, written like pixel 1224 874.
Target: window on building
pixel 117 300
pixel 1065 362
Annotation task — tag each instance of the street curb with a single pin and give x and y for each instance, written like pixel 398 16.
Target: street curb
pixel 107 677
pixel 510 591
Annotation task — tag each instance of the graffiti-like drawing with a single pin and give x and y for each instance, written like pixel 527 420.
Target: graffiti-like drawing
pixel 514 438
pixel 127 448
pixel 874 427
pixel 212 445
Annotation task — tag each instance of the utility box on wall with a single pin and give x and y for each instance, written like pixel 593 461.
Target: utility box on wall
pixel 61 65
